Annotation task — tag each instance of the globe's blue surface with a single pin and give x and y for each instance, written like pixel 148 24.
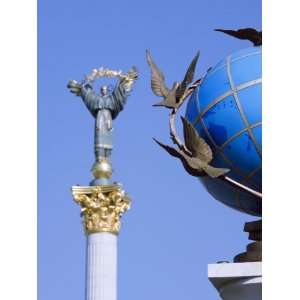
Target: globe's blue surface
pixel 226 111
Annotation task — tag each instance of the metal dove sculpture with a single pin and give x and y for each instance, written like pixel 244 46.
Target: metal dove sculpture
pixel 196 161
pixel 250 34
pixel 195 154
pixel 172 98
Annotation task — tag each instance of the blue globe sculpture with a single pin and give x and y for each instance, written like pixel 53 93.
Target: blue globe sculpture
pixel 226 111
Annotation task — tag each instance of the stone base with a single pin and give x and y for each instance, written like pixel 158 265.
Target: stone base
pixel 253 253
pixel 254 250
pixel 237 281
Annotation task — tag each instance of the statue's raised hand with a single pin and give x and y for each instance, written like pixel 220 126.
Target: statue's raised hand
pixel 74 87
pixel 133 73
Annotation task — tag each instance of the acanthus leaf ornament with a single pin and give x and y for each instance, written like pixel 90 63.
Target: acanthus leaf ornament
pixel 101 207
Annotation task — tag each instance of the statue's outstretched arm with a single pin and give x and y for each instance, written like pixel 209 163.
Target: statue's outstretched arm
pixel 122 91
pixel 80 88
pixel 86 88
pixel 89 97
pixel 124 86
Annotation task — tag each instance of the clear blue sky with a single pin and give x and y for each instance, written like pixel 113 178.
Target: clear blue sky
pixel 175 228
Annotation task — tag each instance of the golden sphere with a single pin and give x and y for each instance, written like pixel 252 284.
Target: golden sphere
pixel 102 169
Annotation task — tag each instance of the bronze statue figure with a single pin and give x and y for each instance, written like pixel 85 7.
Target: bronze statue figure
pixel 104 107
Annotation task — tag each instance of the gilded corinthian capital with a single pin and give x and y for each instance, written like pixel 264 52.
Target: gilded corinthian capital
pixel 101 207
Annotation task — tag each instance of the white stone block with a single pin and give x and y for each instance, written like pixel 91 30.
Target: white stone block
pixel 237 281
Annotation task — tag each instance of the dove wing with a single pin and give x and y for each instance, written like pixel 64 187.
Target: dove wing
pixel 195 143
pixel 158 85
pixel 172 151
pixel 188 78
pixel 246 32
pixel 250 34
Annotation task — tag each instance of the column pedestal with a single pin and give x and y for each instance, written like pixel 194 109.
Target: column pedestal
pixel 237 281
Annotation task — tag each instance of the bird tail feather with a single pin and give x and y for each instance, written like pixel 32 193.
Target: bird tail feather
pixel 215 172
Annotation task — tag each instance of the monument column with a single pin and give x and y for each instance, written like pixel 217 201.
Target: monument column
pixel 102 202
pixel 101 207
pixel 101 268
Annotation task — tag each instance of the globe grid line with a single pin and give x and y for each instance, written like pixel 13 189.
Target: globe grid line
pixel 236 135
pixel 197 104
pixel 238 193
pixel 240 108
pixel 254 172
pixel 224 96
pixel 211 105
pixel 234 60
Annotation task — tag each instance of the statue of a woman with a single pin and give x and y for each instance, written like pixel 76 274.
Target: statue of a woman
pixel 104 106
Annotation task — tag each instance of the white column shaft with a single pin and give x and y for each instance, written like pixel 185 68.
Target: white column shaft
pixel 101 269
